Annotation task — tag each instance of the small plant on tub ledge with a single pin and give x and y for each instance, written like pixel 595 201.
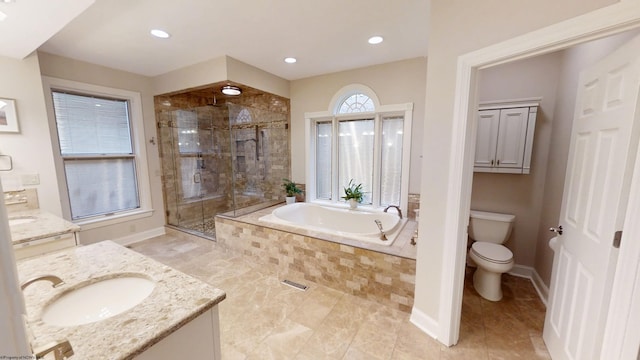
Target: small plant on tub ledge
pixel 291 189
pixel 353 194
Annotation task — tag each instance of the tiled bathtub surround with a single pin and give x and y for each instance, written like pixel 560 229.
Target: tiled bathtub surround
pixel 388 279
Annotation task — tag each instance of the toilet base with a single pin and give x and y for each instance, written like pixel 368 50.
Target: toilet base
pixel 488 284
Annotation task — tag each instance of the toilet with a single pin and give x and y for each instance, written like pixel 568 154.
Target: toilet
pixel 490 231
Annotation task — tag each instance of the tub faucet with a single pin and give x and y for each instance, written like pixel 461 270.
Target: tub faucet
pixel 397 208
pixel 383 236
pixel 55 281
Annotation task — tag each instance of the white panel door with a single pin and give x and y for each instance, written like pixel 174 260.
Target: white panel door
pixel 603 143
pixel 487 137
pixel 511 137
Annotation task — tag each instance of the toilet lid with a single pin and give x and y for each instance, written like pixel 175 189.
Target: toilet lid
pixel 495 253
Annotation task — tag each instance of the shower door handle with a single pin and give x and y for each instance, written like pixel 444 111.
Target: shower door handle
pixel 197 178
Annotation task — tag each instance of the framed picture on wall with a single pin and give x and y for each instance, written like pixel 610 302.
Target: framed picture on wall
pixel 8 116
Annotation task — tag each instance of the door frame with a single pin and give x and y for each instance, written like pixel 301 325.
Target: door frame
pixel 604 22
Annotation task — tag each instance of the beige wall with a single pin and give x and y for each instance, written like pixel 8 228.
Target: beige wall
pixel 393 83
pixel 520 195
pixel 31 148
pixel 573 60
pixel 458 27
pixel 69 69
pixel 219 69
pixel 206 72
pixel 252 76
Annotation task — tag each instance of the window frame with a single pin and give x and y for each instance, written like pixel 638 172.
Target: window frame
pixel 134 101
pixel 332 115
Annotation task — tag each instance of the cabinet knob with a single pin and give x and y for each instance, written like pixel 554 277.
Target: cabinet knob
pixel 491 162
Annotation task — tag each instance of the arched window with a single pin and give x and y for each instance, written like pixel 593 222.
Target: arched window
pixel 359 139
pixel 356 103
pixel 244 116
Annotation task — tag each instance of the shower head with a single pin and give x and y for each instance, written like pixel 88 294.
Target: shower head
pixel 214 102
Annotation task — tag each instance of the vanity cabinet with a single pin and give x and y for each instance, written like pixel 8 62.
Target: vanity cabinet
pixel 197 339
pixel 505 137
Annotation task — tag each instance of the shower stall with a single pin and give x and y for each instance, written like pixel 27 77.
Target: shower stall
pixel 221 157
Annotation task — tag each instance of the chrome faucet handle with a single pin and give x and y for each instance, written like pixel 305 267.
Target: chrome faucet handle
pixel 61 350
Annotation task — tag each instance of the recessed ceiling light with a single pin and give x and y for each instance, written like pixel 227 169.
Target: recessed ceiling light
pixel 160 33
pixel 375 40
pixel 290 60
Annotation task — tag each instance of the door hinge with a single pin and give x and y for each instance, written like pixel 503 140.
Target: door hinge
pixel 617 238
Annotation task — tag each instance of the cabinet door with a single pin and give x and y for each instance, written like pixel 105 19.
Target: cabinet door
pixel 512 134
pixel 486 140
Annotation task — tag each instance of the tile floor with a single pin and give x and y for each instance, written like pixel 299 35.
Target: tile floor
pixel 263 319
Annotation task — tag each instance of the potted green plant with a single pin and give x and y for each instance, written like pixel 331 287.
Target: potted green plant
pixel 353 194
pixel 291 189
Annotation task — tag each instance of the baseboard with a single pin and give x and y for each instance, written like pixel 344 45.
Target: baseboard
pixel 541 287
pixel 531 274
pixel 522 271
pixel 140 236
pixel 424 322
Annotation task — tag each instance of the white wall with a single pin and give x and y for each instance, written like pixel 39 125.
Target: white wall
pixel 31 148
pixel 13 336
pixel 393 83
pixel 456 28
pixel 520 195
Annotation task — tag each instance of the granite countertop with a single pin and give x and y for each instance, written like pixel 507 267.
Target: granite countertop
pixel 176 299
pixel 44 225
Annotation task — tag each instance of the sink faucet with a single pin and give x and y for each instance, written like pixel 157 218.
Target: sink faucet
pixel 55 281
pixel 397 208
pixel 61 350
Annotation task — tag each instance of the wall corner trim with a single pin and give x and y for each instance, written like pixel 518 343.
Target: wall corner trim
pixel 424 322
pixel 530 273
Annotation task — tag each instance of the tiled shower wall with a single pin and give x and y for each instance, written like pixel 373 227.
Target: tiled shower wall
pixel 379 277
pixel 198 182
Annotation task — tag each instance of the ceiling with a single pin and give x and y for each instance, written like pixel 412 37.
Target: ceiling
pixel 325 36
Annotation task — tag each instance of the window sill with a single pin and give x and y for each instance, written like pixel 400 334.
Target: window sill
pixel 94 223
pixel 344 205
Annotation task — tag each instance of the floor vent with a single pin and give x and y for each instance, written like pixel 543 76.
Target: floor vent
pixel 294 284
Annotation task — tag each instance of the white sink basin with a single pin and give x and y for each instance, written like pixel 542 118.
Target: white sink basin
pixel 98 301
pixel 21 220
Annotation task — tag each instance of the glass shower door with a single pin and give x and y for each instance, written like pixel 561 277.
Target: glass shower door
pixel 189 166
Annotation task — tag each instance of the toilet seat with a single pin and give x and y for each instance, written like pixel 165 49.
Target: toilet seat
pixel 494 253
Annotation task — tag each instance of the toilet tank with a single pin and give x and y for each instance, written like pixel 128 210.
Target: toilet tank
pixel 490 227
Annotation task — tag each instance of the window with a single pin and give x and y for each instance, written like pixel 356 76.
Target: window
pixel 359 140
pixel 355 154
pixel 323 160
pixel 100 166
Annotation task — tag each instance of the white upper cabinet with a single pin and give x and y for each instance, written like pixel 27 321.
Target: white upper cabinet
pixel 505 137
